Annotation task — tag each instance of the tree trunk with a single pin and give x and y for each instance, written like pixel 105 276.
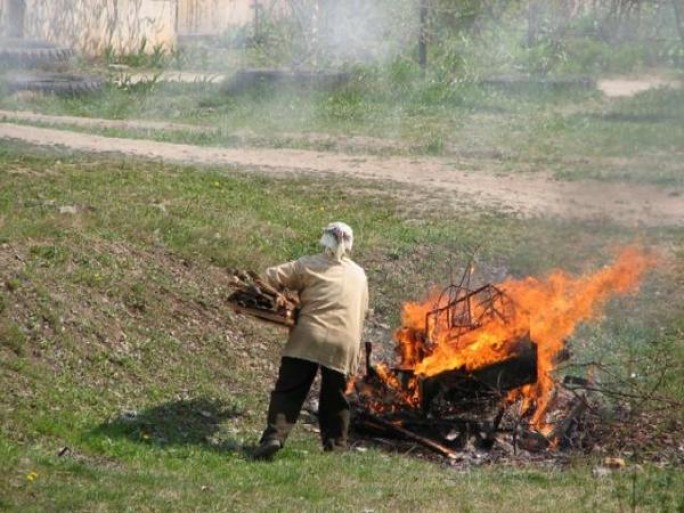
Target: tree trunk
pixel 422 40
pixel 533 22
pixel 679 17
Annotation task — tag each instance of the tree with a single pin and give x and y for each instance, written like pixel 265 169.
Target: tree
pixel 679 16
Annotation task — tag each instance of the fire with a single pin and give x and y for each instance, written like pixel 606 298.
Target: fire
pixel 547 310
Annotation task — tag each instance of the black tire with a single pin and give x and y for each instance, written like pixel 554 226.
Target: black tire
pixel 27 53
pixel 248 79
pixel 60 84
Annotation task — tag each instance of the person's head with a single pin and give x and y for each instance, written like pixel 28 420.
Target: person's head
pixel 337 239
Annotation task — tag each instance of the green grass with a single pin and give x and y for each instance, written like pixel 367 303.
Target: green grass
pixel 129 385
pixel 196 479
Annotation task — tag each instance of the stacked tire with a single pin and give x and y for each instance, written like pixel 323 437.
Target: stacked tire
pixel 27 53
pixel 61 84
pixel 30 65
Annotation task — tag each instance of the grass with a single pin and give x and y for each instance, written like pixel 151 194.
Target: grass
pixel 302 482
pixel 129 385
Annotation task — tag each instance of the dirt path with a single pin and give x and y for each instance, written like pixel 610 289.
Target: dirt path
pixel 625 87
pixel 528 195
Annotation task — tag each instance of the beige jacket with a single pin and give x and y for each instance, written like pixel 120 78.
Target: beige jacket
pixel 334 301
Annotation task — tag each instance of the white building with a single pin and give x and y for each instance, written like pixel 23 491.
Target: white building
pixel 92 27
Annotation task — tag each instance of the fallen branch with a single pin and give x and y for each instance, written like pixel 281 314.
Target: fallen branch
pixel 374 421
pixel 253 296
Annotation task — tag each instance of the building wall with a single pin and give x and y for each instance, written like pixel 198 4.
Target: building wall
pixel 11 18
pixel 212 16
pixel 94 26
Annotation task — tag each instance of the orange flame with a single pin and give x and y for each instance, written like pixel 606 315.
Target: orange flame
pixel 547 310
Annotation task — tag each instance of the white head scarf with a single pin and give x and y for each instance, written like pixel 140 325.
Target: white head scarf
pixel 337 239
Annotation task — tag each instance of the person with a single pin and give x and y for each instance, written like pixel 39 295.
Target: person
pixel 333 295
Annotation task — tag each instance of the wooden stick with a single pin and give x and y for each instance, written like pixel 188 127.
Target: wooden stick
pixel 425 442
pixel 562 428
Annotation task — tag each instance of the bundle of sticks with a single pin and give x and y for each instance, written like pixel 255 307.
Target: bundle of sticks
pixel 253 296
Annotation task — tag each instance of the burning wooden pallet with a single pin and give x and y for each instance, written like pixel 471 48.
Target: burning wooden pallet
pixel 458 408
pixel 253 296
pixel 445 410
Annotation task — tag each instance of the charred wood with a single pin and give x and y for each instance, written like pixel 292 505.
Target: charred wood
pixel 477 389
pixel 368 420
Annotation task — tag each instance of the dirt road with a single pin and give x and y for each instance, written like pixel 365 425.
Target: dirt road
pixel 528 195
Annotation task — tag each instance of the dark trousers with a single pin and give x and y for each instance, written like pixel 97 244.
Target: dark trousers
pixel 292 386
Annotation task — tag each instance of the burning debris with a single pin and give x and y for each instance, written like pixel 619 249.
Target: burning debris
pixel 476 367
pixel 476 371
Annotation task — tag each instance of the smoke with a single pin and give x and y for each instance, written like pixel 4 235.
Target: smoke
pixel 465 41
pixel 333 33
pixel 369 32
pixel 538 35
